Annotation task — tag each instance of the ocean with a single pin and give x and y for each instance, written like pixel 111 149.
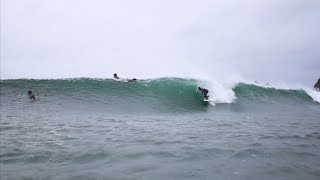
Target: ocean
pixel 158 128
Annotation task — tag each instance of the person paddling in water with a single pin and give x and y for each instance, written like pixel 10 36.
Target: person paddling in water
pixel 204 92
pixel 130 80
pixel 31 95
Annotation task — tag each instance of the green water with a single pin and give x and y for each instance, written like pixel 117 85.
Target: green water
pixel 155 129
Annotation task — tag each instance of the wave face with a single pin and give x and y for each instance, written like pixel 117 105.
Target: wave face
pixel 152 95
pixel 254 92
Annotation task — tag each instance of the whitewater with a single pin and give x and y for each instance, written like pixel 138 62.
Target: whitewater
pixel 158 128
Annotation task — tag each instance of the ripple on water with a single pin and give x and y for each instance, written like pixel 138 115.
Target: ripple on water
pixel 248 153
pixel 14 156
pixel 307 145
pixel 6 128
pixel 204 153
pixel 313 135
pixel 90 156
pixel 143 154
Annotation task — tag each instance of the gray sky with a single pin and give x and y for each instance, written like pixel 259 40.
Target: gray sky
pixel 264 40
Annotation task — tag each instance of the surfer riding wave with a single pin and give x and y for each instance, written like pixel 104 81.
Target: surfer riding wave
pixel 204 92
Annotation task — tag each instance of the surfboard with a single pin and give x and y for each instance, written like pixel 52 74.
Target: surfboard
pixel 206 99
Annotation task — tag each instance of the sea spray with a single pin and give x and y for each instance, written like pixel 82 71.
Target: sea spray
pixel 219 92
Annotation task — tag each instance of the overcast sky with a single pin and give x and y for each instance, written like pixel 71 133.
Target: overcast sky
pixel 264 40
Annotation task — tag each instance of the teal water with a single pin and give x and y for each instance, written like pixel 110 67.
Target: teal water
pixel 155 129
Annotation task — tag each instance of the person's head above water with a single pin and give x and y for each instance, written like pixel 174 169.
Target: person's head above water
pixel 31 95
pixel 199 88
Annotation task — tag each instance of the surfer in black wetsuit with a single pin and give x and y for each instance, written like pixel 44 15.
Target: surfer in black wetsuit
pixel 132 80
pixel 317 85
pixel 204 92
pixel 115 76
pixel 31 95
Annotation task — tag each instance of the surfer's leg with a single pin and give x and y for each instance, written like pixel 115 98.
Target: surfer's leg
pixel 205 95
